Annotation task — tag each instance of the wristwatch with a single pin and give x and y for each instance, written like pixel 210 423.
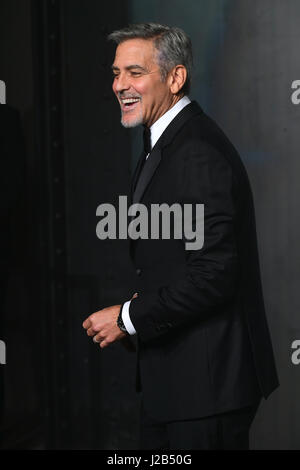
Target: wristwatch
pixel 120 322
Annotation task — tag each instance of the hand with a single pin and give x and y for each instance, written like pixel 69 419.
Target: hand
pixel 102 325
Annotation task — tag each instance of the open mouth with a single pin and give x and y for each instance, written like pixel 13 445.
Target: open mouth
pixel 129 104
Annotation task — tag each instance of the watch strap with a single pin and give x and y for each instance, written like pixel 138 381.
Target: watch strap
pixel 120 322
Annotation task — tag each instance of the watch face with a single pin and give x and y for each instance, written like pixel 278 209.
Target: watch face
pixel 121 325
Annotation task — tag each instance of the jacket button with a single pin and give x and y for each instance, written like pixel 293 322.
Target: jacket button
pixel 138 271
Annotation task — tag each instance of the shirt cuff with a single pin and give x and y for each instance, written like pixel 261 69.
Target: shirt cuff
pixel 126 319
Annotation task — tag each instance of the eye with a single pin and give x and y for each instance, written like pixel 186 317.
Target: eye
pixel 136 74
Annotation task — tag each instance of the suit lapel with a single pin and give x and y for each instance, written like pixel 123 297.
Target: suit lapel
pixel 148 171
pixel 136 173
pixel 143 178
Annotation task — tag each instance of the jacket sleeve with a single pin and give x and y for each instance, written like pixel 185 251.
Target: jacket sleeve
pixel 211 272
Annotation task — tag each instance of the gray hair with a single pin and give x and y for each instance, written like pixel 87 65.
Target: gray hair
pixel 173 45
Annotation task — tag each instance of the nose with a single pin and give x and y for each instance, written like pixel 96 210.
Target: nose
pixel 121 83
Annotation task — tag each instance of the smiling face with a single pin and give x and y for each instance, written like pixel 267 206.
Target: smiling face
pixel 142 94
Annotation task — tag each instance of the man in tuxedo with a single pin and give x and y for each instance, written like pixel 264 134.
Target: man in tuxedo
pixel 205 357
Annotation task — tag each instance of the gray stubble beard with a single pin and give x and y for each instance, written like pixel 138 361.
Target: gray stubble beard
pixel 136 122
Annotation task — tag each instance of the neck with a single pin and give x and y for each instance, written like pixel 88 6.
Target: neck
pixel 166 108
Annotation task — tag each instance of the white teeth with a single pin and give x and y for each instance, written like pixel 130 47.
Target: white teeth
pixel 130 100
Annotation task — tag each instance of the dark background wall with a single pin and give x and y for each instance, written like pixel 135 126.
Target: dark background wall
pixel 60 390
pixel 21 306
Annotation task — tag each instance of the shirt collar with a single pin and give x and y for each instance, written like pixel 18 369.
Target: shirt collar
pixel 162 123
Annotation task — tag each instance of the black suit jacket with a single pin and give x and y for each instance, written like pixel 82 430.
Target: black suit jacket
pixel 203 341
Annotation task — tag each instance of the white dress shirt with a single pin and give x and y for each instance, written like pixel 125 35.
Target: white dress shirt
pixel 156 131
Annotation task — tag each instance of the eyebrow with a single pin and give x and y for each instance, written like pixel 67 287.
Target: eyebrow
pixel 129 67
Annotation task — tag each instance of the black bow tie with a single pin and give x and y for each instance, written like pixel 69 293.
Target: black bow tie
pixel 147 140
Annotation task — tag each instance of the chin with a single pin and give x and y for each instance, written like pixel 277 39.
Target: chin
pixel 131 122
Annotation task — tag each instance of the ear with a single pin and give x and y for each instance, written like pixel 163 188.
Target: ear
pixel 177 78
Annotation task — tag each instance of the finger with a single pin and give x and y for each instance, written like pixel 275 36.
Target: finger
pixel 106 341
pixel 91 332
pixel 87 323
pixel 98 338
